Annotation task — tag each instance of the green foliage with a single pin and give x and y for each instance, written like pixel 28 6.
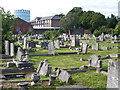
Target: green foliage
pixel 52 35
pixel 111 21
pixel 7 27
pixel 79 18
pixel 117 29
pixel 99 31
pixel 71 19
pixel 60 15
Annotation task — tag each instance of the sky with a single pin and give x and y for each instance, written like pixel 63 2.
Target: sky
pixel 42 8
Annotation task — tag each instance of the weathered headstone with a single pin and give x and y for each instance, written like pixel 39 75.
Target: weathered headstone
pixel 95 47
pixel 45 69
pixel 39 67
pixel 57 44
pixel 113 78
pixel 51 48
pixel 84 48
pixel 64 76
pixel 95 61
pixel 20 54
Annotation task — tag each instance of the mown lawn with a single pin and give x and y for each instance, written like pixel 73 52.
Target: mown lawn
pixel 89 79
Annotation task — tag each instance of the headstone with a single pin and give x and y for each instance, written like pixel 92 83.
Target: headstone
pixel 7 46
pixel 51 48
pixel 12 53
pixel 95 47
pixel 64 76
pixel 45 69
pixel 57 44
pixel 20 54
pixel 95 61
pixel 84 48
pixel 39 67
pixel 113 78
pixel 25 43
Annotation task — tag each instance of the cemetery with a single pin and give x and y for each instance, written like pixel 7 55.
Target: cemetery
pixel 68 61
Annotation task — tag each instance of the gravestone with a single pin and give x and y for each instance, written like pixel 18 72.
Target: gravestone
pixel 12 53
pixel 20 54
pixel 51 48
pixel 45 69
pixel 57 44
pixel 64 76
pixel 95 47
pixel 74 42
pixel 104 47
pixel 7 48
pixel 95 61
pixel 39 67
pixel 84 48
pixel 25 43
pixel 113 78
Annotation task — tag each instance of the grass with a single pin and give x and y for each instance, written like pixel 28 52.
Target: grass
pixel 89 79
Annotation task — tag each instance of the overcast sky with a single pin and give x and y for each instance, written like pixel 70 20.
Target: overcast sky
pixel 40 8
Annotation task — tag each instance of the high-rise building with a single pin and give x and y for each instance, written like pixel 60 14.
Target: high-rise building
pixel 23 14
pixel 119 9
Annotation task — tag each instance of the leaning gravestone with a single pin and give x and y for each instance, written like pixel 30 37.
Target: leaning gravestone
pixel 84 48
pixel 64 76
pixel 45 69
pixel 95 47
pixel 113 78
pixel 7 46
pixel 95 61
pixel 51 48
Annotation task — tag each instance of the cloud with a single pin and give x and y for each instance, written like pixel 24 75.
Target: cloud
pixel 51 7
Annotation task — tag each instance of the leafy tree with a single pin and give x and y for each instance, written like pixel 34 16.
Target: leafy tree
pixel 117 29
pixel 60 15
pixel 97 20
pixel 7 26
pixel 69 22
pixel 111 21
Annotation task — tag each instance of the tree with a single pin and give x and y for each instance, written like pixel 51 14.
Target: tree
pixel 60 15
pixel 69 21
pixel 111 21
pixel 7 26
pixel 97 21
pixel 117 29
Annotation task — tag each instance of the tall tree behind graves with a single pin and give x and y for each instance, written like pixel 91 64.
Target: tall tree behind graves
pixel 7 26
pixel 112 21
pixel 69 21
